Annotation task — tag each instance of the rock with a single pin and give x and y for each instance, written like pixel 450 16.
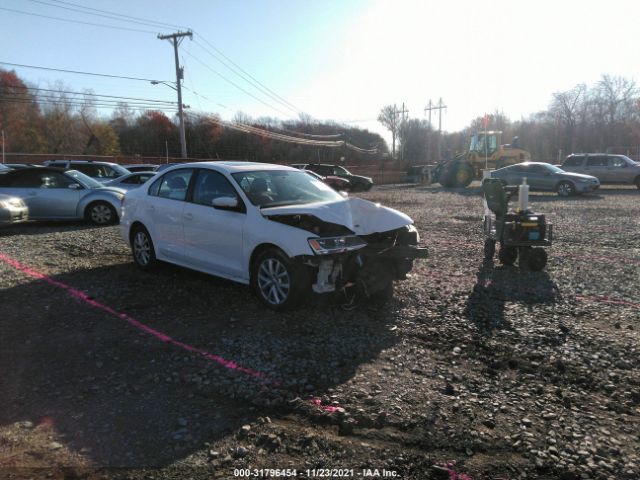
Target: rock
pixel 240 452
pixel 182 422
pixel 526 422
pixel 55 446
pixel 457 350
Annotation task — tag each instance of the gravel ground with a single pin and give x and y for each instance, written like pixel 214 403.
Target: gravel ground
pixel 470 372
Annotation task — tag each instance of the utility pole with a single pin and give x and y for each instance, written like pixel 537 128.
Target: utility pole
pixel 402 125
pixel 428 108
pixel 2 146
pixel 440 106
pixel 176 39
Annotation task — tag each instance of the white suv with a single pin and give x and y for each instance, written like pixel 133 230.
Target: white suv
pixel 100 171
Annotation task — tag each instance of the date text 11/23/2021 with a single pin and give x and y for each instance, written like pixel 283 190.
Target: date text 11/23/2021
pixel 314 473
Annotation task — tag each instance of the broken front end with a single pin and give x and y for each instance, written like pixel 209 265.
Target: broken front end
pixel 357 265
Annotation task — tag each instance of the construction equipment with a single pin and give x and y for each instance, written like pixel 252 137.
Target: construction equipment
pixel 485 151
pixel 521 233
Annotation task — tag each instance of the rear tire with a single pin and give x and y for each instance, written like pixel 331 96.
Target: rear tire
pixel 489 249
pixel 101 213
pixel 637 182
pixel 278 282
pixel 508 255
pixel 566 189
pixel 144 253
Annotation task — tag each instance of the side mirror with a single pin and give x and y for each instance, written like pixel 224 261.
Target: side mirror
pixel 74 186
pixel 225 202
pixel 344 193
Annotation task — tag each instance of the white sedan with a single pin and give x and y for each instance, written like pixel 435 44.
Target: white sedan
pixel 276 228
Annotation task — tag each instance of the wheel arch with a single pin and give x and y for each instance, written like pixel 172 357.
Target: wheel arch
pixel 132 228
pixel 261 248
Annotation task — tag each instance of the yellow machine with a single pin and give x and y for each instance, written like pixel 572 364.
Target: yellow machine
pixel 464 168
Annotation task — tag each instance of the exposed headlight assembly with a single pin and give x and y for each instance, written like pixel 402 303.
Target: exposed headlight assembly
pixel 12 202
pixel 325 246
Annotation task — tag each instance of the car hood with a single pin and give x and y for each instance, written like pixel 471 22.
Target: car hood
pixel 360 216
pixel 577 176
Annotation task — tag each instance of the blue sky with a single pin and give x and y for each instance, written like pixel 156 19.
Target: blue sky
pixel 336 59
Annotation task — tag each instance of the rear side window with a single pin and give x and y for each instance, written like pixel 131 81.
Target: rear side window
pixel 173 185
pixel 573 161
pixel 598 161
pixel 87 169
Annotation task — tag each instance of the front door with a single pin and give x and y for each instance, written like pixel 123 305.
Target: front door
pixel 214 236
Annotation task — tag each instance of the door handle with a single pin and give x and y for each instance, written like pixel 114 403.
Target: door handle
pixel 188 216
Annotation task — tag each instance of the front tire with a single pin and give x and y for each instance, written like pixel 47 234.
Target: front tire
pixel 637 182
pixel 489 249
pixel 508 255
pixel 144 253
pixel 101 213
pixel 278 282
pixel 566 189
pixel 536 259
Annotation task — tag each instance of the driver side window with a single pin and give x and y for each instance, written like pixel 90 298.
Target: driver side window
pixel 211 185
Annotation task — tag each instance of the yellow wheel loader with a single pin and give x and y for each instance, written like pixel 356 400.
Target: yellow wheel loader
pixel 464 168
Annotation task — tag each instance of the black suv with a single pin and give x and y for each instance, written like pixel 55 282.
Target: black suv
pixel 358 183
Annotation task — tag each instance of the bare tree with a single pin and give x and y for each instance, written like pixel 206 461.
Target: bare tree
pixel 389 117
pixel 566 108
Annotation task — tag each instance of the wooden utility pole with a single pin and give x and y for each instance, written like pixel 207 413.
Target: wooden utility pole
pixel 428 109
pixel 440 106
pixel 402 125
pixel 176 39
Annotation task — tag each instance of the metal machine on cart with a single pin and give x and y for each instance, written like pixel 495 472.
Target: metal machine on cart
pixel 521 233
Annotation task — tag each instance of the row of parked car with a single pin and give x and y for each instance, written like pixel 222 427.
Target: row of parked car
pixel 578 174
pixel 282 230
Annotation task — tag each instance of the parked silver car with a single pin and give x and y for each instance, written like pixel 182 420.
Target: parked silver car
pixel 543 176
pixel 130 181
pixel 606 167
pixel 12 210
pixel 98 170
pixel 55 194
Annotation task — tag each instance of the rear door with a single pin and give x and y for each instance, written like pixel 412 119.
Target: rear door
pixel 214 236
pixel 164 209
pixel 536 177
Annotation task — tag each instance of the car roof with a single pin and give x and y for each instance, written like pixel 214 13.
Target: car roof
pixel 235 166
pixel 97 162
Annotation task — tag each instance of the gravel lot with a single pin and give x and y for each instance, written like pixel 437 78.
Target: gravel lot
pixel 470 372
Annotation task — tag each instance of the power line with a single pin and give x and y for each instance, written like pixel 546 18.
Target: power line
pixel 247 73
pixel 77 21
pixel 170 25
pixel 79 104
pixel 233 83
pixel 84 73
pixel 107 96
pixel 103 15
pixel 246 78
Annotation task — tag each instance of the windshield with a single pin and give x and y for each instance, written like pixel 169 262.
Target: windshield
pixel 275 188
pixel 86 181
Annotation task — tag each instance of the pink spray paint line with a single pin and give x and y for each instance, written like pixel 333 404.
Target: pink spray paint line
pixel 163 337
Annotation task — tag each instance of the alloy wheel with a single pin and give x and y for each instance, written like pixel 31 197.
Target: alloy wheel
pixel 274 281
pixel 142 248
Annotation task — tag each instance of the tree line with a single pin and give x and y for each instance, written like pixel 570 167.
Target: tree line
pixel 57 123
pixel 597 118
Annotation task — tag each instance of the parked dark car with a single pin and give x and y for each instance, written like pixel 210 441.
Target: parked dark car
pixel 334 182
pixel 358 182
pixel 605 167
pixel 543 176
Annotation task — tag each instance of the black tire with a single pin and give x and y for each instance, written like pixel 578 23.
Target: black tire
pixel 459 175
pixel 101 213
pixel 489 249
pixel 637 181
pixel 536 259
pixel 566 189
pixel 507 255
pixel 278 282
pixel 142 249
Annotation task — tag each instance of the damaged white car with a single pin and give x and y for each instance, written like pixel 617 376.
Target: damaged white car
pixel 273 227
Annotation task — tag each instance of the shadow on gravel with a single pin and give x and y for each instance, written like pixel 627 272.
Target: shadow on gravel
pixel 497 285
pixel 123 398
